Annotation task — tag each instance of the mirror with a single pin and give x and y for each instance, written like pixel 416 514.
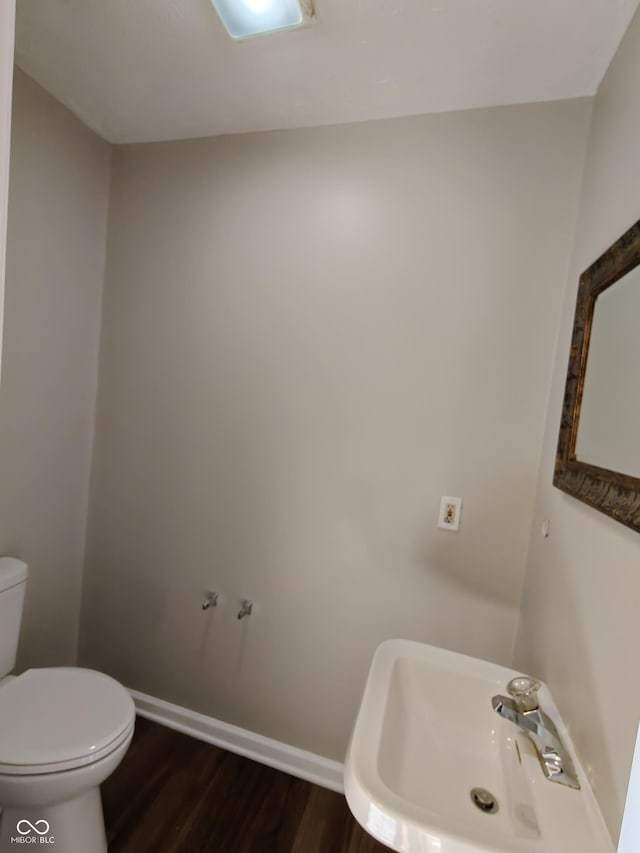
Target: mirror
pixel 598 458
pixel 609 426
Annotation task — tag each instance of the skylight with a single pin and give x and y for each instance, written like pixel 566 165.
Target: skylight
pixel 244 18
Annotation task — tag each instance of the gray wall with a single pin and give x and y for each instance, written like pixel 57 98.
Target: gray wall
pixel 580 626
pixel 7 16
pixel 308 337
pixel 58 198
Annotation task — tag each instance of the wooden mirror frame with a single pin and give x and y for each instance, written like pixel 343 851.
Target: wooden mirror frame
pixel 614 493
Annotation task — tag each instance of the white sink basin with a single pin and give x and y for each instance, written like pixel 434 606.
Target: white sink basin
pixel 426 735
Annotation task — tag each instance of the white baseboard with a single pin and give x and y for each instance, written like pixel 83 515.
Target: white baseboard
pixel 305 765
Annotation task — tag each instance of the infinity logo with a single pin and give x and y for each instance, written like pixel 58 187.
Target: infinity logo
pixel 32 827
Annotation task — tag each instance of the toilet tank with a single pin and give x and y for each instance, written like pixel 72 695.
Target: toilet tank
pixel 13 581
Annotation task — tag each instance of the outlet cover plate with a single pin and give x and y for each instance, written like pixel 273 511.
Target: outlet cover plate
pixel 449 515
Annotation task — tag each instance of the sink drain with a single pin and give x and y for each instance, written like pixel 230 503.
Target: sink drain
pixel 484 800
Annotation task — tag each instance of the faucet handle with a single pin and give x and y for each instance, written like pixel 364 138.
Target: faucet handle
pixel 525 692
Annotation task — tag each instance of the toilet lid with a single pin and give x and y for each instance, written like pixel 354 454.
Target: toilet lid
pixel 61 716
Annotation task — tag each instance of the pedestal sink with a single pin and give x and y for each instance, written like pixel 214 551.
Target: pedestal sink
pixel 431 768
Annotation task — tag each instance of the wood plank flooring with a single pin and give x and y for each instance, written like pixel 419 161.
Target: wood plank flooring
pixel 175 794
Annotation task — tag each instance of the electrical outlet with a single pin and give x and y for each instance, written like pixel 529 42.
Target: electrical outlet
pixel 449 517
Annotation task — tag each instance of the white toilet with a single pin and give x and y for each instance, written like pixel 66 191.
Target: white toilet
pixel 63 731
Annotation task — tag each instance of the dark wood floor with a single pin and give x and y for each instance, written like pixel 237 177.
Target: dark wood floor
pixel 175 794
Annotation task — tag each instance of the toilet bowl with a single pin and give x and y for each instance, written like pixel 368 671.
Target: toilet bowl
pixel 63 731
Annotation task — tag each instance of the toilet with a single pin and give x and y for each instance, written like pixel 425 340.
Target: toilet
pixel 63 731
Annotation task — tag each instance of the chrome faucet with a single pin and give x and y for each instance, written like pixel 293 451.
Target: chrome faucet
pixel 522 709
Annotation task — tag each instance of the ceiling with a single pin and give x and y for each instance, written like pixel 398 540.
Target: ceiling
pixel 143 70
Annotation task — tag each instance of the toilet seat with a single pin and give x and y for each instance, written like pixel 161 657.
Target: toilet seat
pixel 60 718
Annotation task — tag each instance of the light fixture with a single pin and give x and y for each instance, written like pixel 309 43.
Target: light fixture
pixel 244 18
